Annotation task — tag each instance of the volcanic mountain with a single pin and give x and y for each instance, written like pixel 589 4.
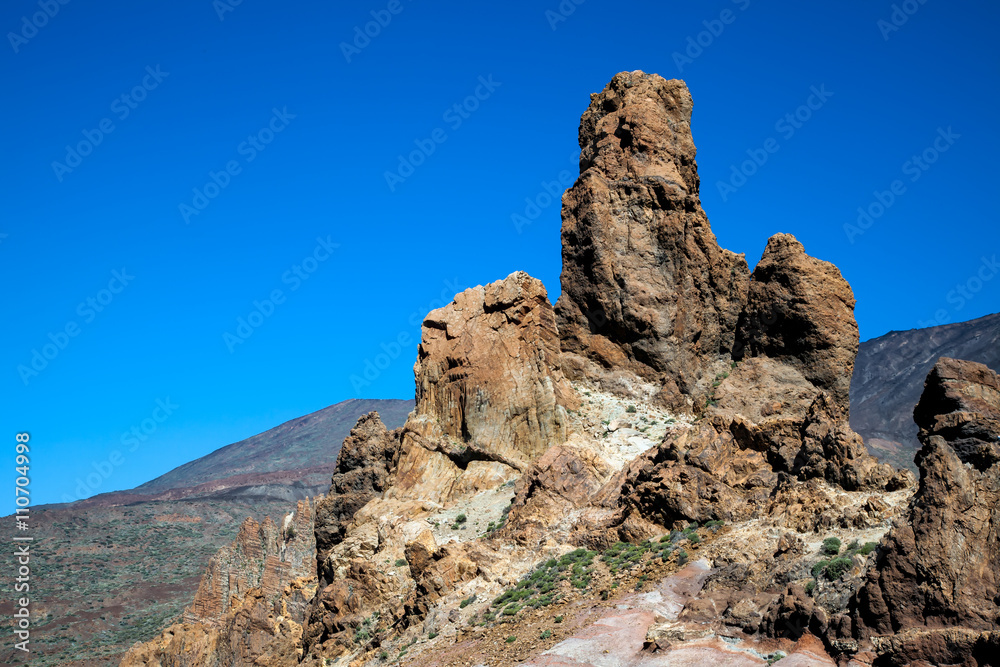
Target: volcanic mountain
pixel 889 378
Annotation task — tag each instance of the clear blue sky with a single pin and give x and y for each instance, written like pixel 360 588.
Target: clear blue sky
pixel 212 84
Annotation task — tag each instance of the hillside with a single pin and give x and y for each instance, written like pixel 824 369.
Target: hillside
pixel 889 377
pixel 303 443
pixel 119 567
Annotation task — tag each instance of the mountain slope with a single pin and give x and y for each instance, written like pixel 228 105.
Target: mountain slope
pixel 889 378
pixel 306 442
pixel 121 566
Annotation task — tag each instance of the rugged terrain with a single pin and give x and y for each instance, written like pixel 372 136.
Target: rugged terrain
pixel 118 568
pixel 657 470
pixel 889 377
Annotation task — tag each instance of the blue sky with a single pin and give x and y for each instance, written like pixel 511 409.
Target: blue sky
pixel 276 128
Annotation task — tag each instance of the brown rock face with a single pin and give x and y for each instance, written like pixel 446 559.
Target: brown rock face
pixel 941 570
pixel 800 311
pixel 364 466
pixel 250 604
pixel 364 470
pixel 490 389
pixel 645 285
pixel 263 556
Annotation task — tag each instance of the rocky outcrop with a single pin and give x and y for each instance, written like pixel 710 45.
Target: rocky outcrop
pixel 800 312
pixel 364 466
pixel 263 556
pixel 889 376
pixel 940 571
pixel 250 604
pixel 491 396
pixel 645 286
pixel 364 471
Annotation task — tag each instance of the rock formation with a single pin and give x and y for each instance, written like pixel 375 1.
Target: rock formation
pixel 250 604
pixel 800 311
pixel 491 396
pixel 671 402
pixel 937 583
pixel 645 286
pixel 364 466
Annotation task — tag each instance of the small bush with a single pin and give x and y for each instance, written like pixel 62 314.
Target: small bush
pixel 867 548
pixel 461 518
pixel 810 587
pixel 819 568
pixel 831 546
pixel 558 619
pixel 401 562
pixel 682 557
pixel 854 545
pixel 545 634
pixel 466 602
pixel 511 639
pixel 630 409
pixel 384 655
pixel 432 635
pixel 837 567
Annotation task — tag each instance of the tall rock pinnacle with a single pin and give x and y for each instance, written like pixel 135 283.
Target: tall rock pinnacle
pixel 645 285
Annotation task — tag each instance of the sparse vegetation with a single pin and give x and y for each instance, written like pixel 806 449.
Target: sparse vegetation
pixel 831 546
pixel 467 601
pixel 511 639
pixel 630 409
pixel 545 634
pixel 558 619
pixel 401 562
pixel 837 567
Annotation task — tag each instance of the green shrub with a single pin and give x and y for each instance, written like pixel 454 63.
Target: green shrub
pixel 432 635
pixel 461 518
pixel 819 568
pixel 511 609
pixel 837 567
pixel 401 562
pixel 682 557
pixel 511 639
pixel 558 619
pixel 853 546
pixel 630 409
pixel 867 548
pixel 810 587
pixel 545 634
pixel 831 546
pixel 466 602
pixel 384 655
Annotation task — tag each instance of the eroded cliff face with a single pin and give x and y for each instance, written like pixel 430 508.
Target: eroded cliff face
pixel 935 596
pixel 491 396
pixel 646 289
pixel 671 402
pixel 251 602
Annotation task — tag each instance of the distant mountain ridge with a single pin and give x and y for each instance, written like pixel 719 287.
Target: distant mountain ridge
pixel 309 444
pixel 889 378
